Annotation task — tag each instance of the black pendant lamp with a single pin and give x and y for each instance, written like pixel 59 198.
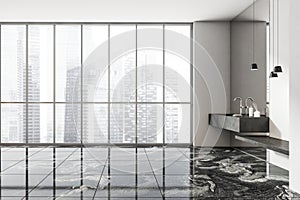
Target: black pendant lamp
pixel 277 68
pixel 254 65
pixel 273 75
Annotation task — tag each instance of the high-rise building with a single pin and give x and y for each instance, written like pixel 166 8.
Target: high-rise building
pixel 33 87
pixel 68 77
pixel 72 109
pixel 123 116
pixel 21 83
pixel 147 115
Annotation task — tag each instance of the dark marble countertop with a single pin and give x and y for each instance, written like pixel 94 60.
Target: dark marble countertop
pixel 274 144
pixel 243 124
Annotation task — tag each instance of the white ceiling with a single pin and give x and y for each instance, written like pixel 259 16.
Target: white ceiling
pixel 121 10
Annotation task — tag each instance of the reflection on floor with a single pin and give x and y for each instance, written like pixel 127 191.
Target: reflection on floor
pixel 146 173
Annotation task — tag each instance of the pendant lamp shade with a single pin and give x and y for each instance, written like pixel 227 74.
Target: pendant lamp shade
pixel 273 75
pixel 254 67
pixel 278 69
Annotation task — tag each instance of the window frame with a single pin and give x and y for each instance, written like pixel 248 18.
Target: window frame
pixel 108 103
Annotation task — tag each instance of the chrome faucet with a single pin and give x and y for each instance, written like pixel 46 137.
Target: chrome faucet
pixel 246 103
pixel 241 105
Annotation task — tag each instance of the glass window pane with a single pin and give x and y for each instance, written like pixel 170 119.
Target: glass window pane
pixel 40 63
pixel 13 63
pixel 95 126
pixel 122 63
pixel 177 123
pixel 67 123
pixel 136 62
pixel 68 64
pixel 177 79
pixel 177 63
pixel 184 30
pixel 95 61
pixel 13 123
pixel 122 123
pixel 40 123
pixel 150 123
pixel 150 63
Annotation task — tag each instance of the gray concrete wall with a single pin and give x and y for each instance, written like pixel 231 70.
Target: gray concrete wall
pixel 211 80
pixel 244 82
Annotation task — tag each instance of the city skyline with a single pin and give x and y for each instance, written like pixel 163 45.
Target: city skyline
pixel 69 118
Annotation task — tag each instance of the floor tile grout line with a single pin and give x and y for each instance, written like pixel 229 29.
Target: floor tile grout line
pixel 20 161
pixel 26 174
pixel 100 179
pixel 184 154
pixel 81 171
pixel 50 173
pixel 136 173
pixel 54 173
pixel 109 171
pixel 162 195
pixel 0 158
pixel 191 167
pixel 62 161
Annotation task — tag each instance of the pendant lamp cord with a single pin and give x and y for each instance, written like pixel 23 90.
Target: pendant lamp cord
pixel 269 49
pixel 253 31
pixel 277 32
pixel 273 22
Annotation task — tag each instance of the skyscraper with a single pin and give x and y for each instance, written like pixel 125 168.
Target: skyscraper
pixel 122 129
pixel 33 74
pixel 72 109
pixel 21 77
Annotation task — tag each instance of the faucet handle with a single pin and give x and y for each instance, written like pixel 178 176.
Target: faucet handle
pixel 237 98
pixel 241 104
pixel 240 99
pixel 246 101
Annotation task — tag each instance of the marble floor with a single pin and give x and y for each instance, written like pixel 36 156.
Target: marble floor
pixel 140 173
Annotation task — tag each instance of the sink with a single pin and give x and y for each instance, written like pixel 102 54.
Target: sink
pixel 237 115
pixel 239 124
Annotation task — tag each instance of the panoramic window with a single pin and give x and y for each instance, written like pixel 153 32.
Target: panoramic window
pixel 96 83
